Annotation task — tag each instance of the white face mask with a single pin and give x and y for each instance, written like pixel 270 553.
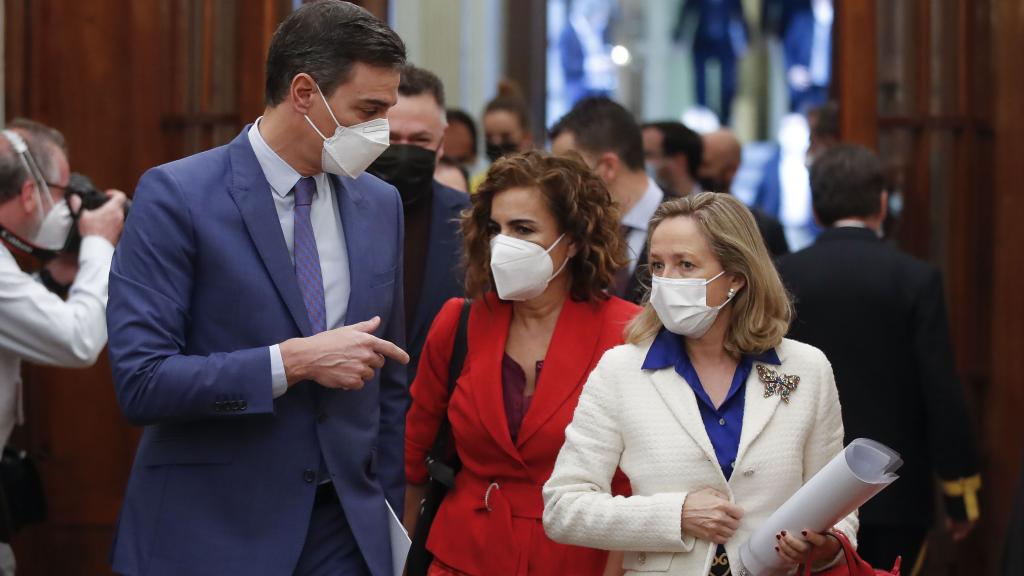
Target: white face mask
pixel 352 149
pixel 53 231
pixel 521 269
pixel 682 304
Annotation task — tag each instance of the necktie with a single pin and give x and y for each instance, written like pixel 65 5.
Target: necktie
pixel 307 259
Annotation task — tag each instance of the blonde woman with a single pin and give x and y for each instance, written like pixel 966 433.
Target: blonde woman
pixel 715 418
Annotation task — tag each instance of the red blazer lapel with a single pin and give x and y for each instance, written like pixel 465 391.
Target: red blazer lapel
pixel 566 365
pixel 488 332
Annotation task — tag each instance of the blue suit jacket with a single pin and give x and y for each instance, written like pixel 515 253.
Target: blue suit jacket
pixel 443 278
pixel 201 285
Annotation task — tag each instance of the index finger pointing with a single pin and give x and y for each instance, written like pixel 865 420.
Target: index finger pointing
pixel 389 350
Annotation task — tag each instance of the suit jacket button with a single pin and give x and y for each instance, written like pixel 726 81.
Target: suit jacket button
pixel 321 417
pixel 748 472
pixel 309 475
pixel 242 405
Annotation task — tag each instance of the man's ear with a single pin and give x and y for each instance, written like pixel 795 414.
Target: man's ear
pixel 884 208
pixel 27 196
pixel 302 92
pixel 440 150
pixel 608 166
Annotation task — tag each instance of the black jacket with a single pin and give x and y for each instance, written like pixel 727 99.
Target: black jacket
pixel 880 317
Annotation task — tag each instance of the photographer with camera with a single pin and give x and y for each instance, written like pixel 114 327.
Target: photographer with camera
pixel 40 217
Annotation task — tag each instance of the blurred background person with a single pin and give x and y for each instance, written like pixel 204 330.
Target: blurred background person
pixel 506 122
pixel 608 138
pixel 542 248
pixel 715 31
pixel 880 317
pixel 673 155
pixel 823 123
pixel 433 241
pixel 461 147
pixel 452 175
pixel 37 325
pixel 691 410
pixel 721 161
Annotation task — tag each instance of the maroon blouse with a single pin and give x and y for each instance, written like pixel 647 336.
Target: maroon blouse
pixel 513 388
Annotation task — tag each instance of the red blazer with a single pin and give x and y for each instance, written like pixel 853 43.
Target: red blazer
pixel 490 523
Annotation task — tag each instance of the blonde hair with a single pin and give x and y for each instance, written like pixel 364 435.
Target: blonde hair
pixel 761 310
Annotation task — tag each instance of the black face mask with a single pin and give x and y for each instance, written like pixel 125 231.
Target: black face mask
pixel 407 167
pixel 712 185
pixel 496 151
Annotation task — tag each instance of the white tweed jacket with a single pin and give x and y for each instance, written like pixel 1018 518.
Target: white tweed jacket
pixel 648 423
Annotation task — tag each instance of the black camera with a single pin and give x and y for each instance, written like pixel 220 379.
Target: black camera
pixel 80 185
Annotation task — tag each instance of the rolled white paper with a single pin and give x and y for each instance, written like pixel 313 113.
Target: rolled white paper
pixel 852 478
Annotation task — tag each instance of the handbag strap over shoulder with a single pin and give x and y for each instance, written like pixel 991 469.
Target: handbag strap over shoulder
pixel 442 463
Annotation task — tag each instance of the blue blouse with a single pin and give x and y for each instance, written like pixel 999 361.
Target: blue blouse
pixel 725 423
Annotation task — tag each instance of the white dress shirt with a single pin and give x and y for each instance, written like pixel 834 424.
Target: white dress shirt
pixel 330 239
pixel 637 219
pixel 38 326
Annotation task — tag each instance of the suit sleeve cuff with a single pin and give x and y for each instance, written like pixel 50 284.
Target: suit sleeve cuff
pixel 961 497
pixel 278 379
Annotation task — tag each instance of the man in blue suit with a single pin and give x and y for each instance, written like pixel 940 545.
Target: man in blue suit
pixel 433 236
pixel 244 300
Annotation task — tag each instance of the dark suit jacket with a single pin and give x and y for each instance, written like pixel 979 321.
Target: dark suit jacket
pixel 443 278
pixel 772 232
pixel 880 317
pixel 223 481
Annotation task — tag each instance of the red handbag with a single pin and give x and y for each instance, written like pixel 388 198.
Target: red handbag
pixel 854 566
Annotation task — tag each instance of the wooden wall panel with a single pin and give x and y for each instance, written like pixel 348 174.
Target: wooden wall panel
pixel 114 76
pixel 1003 424
pixel 855 76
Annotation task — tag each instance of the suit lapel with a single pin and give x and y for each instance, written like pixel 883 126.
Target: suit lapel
pixel 488 331
pixel 566 364
pixel 359 238
pixel 682 402
pixel 253 196
pixel 757 410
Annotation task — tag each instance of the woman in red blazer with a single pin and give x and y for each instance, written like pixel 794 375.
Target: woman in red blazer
pixel 542 247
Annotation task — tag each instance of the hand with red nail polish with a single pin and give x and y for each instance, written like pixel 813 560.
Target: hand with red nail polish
pixel 812 548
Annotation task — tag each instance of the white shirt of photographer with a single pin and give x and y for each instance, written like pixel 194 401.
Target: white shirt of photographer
pixel 38 326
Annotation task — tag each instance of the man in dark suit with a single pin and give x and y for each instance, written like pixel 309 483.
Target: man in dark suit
pixel 243 301
pixel 433 238
pixel 720 161
pixel 608 138
pixel 880 317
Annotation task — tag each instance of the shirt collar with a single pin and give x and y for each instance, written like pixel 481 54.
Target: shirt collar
pixel 281 176
pixel 669 350
pixel 640 215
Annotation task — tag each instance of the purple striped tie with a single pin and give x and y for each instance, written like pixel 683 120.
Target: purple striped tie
pixel 307 259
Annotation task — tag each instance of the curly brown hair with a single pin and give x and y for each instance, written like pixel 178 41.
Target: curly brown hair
pixel 579 202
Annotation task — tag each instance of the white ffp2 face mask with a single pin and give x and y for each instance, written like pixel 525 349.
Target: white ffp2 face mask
pixel 55 228
pixel 521 269
pixel 353 148
pixel 682 304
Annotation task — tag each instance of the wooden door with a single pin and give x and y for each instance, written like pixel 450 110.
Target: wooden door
pixel 936 87
pixel 132 84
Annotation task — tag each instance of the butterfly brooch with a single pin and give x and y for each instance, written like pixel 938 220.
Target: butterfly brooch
pixel 774 384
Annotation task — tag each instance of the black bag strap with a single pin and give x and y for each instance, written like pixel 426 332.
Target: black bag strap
pixel 442 462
